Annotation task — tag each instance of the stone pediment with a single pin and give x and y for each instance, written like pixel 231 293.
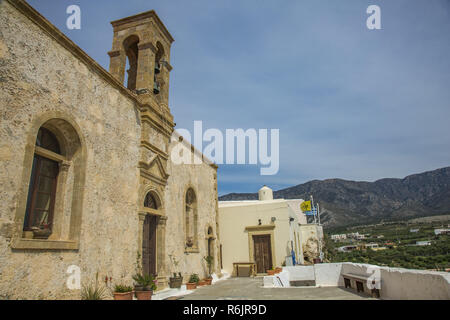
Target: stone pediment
pixel 154 170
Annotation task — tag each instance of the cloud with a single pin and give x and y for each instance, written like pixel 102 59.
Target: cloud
pixel 349 102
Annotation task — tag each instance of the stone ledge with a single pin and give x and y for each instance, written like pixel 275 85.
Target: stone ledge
pixel 37 244
pixel 191 250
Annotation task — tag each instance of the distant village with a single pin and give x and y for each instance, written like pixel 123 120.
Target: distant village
pixel 421 243
pixel 350 237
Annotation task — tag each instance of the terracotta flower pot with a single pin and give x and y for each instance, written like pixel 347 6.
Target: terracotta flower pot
pixel 201 283
pixel 208 281
pixel 278 270
pixel 191 285
pixel 123 296
pixel 270 272
pixel 138 288
pixel 144 295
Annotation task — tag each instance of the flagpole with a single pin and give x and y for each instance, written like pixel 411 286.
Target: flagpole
pixel 312 208
pixel 320 240
pixel 318 212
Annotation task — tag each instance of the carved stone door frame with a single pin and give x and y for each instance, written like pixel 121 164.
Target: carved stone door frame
pixel 160 245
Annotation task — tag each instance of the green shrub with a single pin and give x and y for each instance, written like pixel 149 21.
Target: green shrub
pixel 145 280
pixel 194 278
pixel 93 292
pixel 119 288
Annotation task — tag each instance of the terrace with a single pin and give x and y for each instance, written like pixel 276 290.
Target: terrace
pixel 327 282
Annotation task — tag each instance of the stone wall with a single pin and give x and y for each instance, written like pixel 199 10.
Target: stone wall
pixel 310 238
pixel 40 79
pixel 116 150
pixel 202 178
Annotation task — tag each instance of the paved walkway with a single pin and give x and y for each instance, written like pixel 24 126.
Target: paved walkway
pixel 251 289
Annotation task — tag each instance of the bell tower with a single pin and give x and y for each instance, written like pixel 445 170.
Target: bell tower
pixel 140 55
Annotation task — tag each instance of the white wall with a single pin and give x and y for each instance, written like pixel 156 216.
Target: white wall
pixel 328 274
pixel 233 220
pixel 396 283
pixel 300 273
pixel 399 283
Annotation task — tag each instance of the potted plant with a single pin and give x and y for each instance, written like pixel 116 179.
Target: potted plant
pixel 123 292
pixel 278 270
pixel 193 280
pixel 175 281
pixel 209 261
pixel 144 286
pixel 138 278
pixel 271 272
pixel 93 292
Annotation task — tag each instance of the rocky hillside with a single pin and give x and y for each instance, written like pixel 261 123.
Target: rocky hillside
pixel 346 203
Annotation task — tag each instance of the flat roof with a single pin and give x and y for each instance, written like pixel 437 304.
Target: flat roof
pixel 241 203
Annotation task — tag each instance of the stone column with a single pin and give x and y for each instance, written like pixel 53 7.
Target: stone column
pixel 161 252
pixel 165 74
pixel 132 72
pixel 145 67
pixel 117 64
pixel 142 216
pixel 58 210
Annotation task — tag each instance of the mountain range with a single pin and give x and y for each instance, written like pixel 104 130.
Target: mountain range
pixel 345 203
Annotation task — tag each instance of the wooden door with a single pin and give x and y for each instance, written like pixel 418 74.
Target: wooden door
pixel 262 253
pixel 149 245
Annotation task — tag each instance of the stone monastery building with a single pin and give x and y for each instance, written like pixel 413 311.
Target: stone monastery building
pixel 86 177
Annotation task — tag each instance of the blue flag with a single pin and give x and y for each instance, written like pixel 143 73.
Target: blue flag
pixel 313 212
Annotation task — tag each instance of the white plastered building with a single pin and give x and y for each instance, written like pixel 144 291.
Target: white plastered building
pixel 267 232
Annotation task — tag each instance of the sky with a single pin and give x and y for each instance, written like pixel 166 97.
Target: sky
pixel 350 102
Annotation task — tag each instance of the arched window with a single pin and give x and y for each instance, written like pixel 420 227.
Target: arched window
pixel 150 201
pixel 51 201
pixel 131 49
pixel 42 190
pixel 158 83
pixel 191 219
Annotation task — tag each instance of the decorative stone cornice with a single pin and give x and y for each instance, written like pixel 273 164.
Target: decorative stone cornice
pixel 147 45
pixel 38 244
pixel 161 111
pixel 167 131
pixel 143 17
pixel 149 176
pixel 168 66
pixel 146 173
pixel 260 228
pixel 149 146
pixel 65 165
pixel 114 53
pixel 155 160
pixel 162 221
